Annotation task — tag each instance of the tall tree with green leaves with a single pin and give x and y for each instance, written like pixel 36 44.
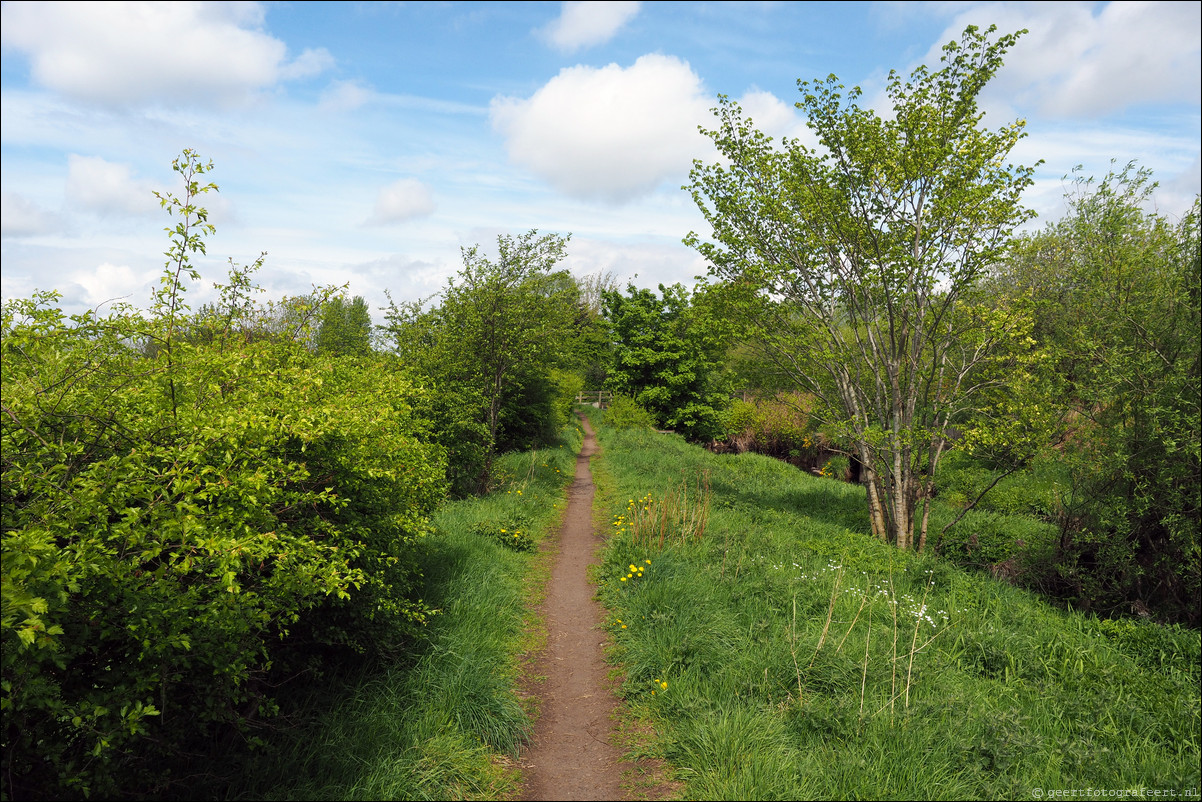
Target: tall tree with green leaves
pixel 865 254
pixel 345 328
pixel 666 359
pixel 493 341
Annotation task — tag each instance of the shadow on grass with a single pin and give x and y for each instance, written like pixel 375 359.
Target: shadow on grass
pixel 791 491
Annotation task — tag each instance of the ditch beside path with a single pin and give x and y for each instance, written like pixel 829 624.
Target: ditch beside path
pixel 571 755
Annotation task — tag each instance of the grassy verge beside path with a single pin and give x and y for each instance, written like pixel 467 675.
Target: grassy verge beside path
pixel 783 653
pixel 444 720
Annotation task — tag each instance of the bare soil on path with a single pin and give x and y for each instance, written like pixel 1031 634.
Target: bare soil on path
pixel 571 755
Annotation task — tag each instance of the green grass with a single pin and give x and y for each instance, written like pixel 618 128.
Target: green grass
pixel 444 719
pixel 804 659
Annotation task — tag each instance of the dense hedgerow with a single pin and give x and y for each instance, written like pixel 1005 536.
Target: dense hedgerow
pixel 193 507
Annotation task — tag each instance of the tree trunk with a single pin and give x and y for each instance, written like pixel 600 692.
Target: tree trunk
pixel 876 508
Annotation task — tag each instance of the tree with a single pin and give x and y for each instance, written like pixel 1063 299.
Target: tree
pixel 1119 311
pixel 593 340
pixel 501 328
pixel 865 254
pixel 664 359
pixel 345 329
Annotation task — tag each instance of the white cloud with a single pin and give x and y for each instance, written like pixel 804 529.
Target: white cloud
pixel 108 282
pixel 346 96
pixel 107 188
pixel 1077 63
pixel 1177 193
pixel 402 200
pixel 586 24
pixel 774 116
pixel 131 53
pixel 406 277
pixel 21 217
pixel 608 133
pixel 642 262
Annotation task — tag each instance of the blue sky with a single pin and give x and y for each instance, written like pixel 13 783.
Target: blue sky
pixel 366 143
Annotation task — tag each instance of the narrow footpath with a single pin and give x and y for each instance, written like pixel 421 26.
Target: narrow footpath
pixel 571 756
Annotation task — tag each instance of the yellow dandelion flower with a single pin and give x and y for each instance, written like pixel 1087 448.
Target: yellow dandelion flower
pixel 632 568
pixel 664 685
pixel 623 579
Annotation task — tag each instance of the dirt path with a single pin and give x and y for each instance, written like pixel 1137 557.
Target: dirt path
pixel 571 756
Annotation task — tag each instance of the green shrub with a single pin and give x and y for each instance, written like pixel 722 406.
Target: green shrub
pixel 780 427
pixel 624 412
pixel 191 507
pixel 159 559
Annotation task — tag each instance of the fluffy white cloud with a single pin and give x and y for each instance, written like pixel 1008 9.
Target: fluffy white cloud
pixel 130 53
pixel 108 282
pixel 585 24
pixel 21 217
pixel 107 188
pixel 611 133
pixel 402 200
pixel 1082 60
pixel 775 117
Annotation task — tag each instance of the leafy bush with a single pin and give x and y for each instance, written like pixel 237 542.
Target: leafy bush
pixel 1120 313
pixel 494 341
pixel 190 506
pixel 780 427
pixel 624 412
pixel 536 407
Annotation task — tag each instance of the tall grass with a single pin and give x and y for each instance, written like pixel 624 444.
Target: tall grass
pixel 679 512
pixel 444 720
pixel 785 653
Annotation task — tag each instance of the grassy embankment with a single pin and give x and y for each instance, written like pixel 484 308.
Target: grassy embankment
pixel 782 653
pixel 445 720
